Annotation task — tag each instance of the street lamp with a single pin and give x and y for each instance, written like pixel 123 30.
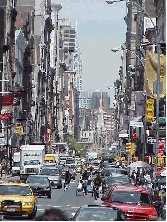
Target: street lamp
pixel 158 72
pixel 122 48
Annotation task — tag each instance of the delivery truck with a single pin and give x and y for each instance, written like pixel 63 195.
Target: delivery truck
pixel 16 164
pixel 31 160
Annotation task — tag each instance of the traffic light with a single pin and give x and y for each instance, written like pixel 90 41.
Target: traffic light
pixel 21 130
pixel 128 147
pixel 132 148
pixel 49 131
pixel 149 110
pixel 17 130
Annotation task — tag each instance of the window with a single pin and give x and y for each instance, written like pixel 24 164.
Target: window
pixel 128 197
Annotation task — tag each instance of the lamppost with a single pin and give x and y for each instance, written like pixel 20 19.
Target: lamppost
pixel 158 71
pixel 144 136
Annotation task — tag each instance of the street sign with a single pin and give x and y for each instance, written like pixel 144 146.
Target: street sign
pixel 151 140
pixel 124 135
pixel 138 124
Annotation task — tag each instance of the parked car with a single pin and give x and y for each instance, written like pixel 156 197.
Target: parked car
pixel 40 185
pixel 53 175
pixel 99 213
pixel 135 201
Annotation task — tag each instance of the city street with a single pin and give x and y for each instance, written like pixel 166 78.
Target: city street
pixel 83 101
pixel 67 201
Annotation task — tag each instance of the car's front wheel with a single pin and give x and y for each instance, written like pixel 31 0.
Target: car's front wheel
pixel 50 195
pixel 33 214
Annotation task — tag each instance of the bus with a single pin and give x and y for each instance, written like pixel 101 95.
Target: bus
pixel 67 161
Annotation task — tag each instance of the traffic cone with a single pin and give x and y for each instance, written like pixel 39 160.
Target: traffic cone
pixel 5 172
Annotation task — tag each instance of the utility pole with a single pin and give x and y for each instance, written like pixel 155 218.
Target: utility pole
pixel 157 100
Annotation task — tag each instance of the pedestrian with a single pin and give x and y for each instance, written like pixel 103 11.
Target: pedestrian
pixel 53 214
pixel 138 176
pixel 67 179
pixel 158 203
pixel 163 199
pixel 133 176
pixel 151 173
pixel 91 169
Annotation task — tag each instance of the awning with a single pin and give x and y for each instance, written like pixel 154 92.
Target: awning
pixel 158 173
pixel 151 71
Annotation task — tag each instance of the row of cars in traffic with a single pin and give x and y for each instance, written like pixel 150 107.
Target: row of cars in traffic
pixel 135 201
pixel 120 201
pixel 19 199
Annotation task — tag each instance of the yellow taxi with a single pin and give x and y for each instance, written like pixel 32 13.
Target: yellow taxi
pixel 17 198
pixel 79 169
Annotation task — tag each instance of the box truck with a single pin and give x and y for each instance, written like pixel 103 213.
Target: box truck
pixel 31 160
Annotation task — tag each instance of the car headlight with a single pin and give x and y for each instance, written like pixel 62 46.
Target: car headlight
pixel 152 217
pixel 28 204
pixel 48 188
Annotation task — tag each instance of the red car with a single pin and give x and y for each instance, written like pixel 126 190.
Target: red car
pixel 135 201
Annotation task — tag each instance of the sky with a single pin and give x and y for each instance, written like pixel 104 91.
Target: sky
pixel 100 27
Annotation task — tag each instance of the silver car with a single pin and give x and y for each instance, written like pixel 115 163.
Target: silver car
pixel 53 175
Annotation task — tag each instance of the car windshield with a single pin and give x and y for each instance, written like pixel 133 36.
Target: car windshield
pixel 70 161
pixel 31 162
pixel 127 197
pixel 15 190
pixel 48 171
pixel 96 214
pixel 50 165
pixel 121 179
pixel 41 180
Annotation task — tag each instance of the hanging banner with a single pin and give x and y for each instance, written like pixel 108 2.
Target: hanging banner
pixel 134 137
pixel 5 116
pixel 7 100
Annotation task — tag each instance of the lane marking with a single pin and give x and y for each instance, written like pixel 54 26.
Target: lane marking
pixel 68 206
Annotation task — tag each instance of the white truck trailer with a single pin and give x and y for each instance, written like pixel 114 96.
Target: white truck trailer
pixel 16 164
pixel 92 156
pixel 31 160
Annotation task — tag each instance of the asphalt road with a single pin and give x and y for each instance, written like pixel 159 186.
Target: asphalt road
pixel 65 200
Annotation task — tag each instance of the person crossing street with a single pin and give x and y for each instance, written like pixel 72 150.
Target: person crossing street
pixel 67 180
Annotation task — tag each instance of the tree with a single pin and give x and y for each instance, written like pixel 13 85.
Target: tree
pixel 79 149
